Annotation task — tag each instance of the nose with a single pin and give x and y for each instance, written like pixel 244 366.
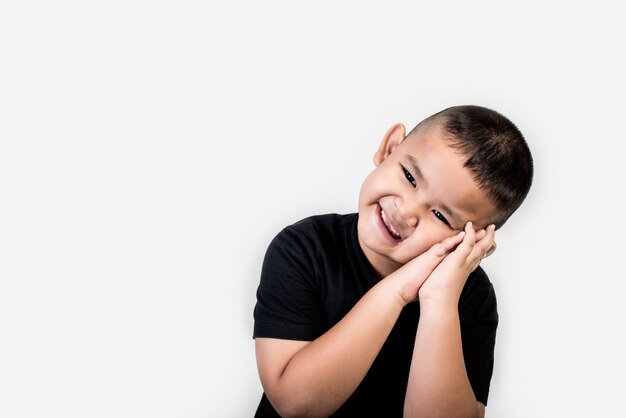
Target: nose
pixel 408 208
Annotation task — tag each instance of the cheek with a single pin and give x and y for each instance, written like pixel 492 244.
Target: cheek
pixel 416 245
pixel 372 188
pixel 419 242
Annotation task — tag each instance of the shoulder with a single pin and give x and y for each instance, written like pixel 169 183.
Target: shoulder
pixel 308 243
pixel 477 283
pixel 315 232
pixel 479 322
pixel 294 275
pixel 327 223
pixel 478 294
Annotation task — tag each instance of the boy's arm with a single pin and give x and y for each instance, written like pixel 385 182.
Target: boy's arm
pixel 438 382
pixel 315 378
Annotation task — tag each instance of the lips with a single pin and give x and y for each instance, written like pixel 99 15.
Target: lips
pixel 390 226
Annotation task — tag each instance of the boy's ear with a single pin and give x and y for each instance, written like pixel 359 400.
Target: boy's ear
pixel 390 141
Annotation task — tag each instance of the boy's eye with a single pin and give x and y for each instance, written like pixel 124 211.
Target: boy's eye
pixel 409 177
pixel 441 217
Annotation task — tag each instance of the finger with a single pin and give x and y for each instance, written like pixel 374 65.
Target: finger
pixel 446 245
pixel 480 234
pixel 491 249
pixel 423 265
pixel 482 248
pixel 466 246
pixel 486 245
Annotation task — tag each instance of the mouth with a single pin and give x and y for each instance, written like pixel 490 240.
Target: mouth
pixel 386 227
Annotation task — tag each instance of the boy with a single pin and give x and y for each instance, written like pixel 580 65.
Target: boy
pixel 386 312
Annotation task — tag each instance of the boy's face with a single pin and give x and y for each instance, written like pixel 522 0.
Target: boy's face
pixel 421 207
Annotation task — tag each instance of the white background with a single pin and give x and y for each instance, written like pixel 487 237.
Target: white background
pixel 149 151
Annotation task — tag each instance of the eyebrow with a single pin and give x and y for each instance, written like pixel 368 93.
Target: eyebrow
pixel 419 174
pixel 454 215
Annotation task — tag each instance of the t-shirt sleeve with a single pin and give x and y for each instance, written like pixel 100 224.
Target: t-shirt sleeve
pixel 288 298
pixel 479 321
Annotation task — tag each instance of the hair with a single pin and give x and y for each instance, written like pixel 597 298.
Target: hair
pixel 497 154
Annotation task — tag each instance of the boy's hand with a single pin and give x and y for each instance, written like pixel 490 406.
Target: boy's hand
pixel 447 280
pixel 413 274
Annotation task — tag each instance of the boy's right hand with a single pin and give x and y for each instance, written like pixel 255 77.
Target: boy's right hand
pixel 413 274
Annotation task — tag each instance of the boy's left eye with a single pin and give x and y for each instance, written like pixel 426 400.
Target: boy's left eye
pixel 441 218
pixel 409 177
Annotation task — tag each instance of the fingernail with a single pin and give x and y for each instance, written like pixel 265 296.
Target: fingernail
pixel 493 227
pixel 469 223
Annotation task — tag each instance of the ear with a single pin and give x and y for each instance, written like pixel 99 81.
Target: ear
pixel 390 141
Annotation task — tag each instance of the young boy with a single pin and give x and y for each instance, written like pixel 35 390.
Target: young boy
pixel 386 312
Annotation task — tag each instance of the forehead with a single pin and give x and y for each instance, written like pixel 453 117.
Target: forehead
pixel 446 181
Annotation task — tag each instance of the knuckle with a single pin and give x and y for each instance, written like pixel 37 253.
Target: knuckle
pixel 439 248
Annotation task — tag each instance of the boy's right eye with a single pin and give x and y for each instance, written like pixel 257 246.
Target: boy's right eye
pixel 409 177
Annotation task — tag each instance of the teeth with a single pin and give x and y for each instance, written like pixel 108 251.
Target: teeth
pixel 393 231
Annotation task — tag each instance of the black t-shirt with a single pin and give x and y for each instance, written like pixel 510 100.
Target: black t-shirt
pixel 314 272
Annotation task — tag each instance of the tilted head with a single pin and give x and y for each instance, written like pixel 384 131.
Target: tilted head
pixel 496 153
pixel 465 163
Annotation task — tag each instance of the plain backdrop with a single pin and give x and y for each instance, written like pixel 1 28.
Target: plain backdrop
pixel 150 150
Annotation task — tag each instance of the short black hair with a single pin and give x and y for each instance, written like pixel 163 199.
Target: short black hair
pixel 497 154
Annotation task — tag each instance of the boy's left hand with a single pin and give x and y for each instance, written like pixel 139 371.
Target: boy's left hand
pixel 446 282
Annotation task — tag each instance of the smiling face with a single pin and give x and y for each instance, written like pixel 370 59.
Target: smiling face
pixel 418 195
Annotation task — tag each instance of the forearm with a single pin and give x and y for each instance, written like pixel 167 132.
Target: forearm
pixel 321 376
pixel 438 384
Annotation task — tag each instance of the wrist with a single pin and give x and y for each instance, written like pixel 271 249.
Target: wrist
pixel 403 290
pixel 439 305
pixel 439 297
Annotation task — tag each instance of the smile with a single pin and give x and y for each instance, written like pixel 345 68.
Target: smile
pixel 395 235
